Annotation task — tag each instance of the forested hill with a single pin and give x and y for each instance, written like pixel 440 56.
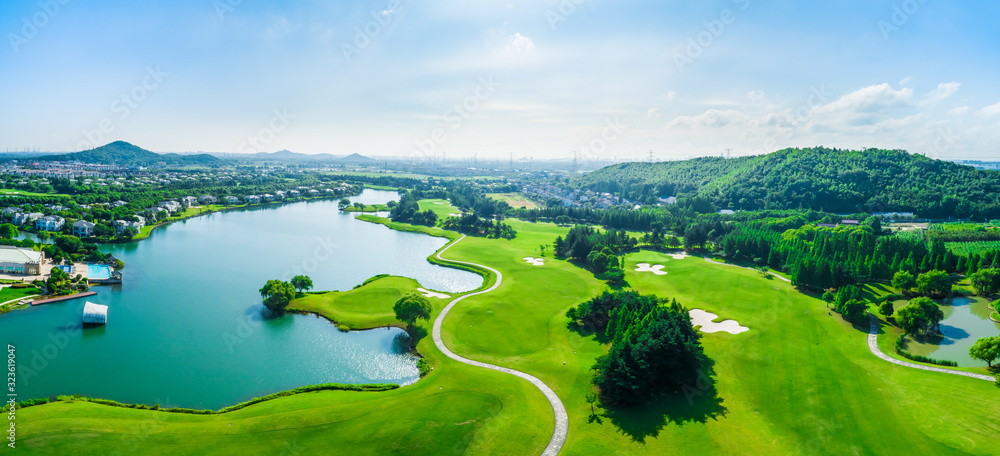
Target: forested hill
pixel 125 154
pixel 832 180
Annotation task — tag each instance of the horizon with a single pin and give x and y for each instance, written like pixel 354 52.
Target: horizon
pixel 500 80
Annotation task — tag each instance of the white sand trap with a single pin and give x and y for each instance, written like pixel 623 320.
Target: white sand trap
pixel 432 294
pixel 454 215
pixel 655 269
pixel 535 261
pixel 704 319
pixel 679 256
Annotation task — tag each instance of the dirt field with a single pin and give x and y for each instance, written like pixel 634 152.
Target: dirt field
pixel 516 200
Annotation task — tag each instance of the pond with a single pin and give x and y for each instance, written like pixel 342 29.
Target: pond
pixel 966 320
pixel 186 328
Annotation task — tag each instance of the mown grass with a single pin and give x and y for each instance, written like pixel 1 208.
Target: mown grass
pixel 801 381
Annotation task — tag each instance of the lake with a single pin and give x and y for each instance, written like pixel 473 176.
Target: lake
pixel 966 320
pixel 186 327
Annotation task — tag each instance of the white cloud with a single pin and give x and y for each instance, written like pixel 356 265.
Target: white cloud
pixel 280 28
pixel 519 43
pixel 755 96
pixel 873 98
pixel 653 113
pixel 958 111
pixel 991 110
pixel 943 91
pixel 713 118
pixel 671 95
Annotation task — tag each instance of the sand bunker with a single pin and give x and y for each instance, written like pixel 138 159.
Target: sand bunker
pixel 679 256
pixel 432 294
pixel 535 261
pixel 655 269
pixel 704 319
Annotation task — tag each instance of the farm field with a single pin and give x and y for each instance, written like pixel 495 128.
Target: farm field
pixel 972 248
pixel 516 200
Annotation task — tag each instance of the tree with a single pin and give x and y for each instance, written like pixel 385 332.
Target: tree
pixel 986 349
pixel 277 294
pixel 919 315
pixel 986 281
pixel 886 309
pixel 129 232
pixel 934 283
pixel 8 231
pixel 344 203
pixel 302 283
pixel 591 399
pixel 904 281
pixel 69 244
pixel 562 220
pixel 411 307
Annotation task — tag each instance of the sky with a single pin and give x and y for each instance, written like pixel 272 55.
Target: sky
pixel 602 79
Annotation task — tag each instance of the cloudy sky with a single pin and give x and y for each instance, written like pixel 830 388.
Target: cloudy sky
pixel 534 78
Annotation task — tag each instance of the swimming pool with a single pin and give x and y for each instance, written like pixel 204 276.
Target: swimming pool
pixel 98 271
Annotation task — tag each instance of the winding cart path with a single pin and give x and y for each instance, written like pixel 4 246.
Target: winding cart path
pixel 561 418
pixel 873 346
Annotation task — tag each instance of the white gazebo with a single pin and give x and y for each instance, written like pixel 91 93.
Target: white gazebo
pixel 95 314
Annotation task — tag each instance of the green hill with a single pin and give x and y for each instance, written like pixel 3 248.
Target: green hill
pixel 124 154
pixel 834 180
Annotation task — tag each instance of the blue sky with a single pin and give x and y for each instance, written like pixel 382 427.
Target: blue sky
pixel 528 78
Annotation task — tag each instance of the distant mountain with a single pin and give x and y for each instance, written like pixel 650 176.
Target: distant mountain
pixel 357 159
pixel 287 155
pixel 124 154
pixel 834 180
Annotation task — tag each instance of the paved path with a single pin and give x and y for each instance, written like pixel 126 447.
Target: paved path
pixel 744 267
pixel 873 346
pixel 562 419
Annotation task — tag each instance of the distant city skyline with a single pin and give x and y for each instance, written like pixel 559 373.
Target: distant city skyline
pixel 548 79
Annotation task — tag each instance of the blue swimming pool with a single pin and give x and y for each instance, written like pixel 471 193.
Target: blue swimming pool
pixel 98 271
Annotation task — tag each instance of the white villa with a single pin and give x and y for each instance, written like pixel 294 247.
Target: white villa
pixel 50 223
pixel 189 201
pixel 122 225
pixel 83 228
pixel 172 206
pixel 207 199
pixel 232 200
pixel 25 217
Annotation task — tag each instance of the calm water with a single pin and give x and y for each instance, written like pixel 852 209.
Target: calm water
pixel 966 321
pixel 186 327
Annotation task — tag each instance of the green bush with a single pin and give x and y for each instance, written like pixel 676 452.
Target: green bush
pixel 920 358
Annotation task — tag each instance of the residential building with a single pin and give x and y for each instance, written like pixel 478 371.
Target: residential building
pixel 232 200
pixel 207 199
pixel 294 193
pixel 122 225
pixel 189 201
pixel 83 228
pixel 172 206
pixel 22 218
pixel 50 223
pixel 252 199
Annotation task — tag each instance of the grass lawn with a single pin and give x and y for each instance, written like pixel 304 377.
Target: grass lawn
pixel 8 293
pixel 367 208
pixel 13 192
pixel 516 200
pixel 801 381
pixel 441 207
pixel 366 307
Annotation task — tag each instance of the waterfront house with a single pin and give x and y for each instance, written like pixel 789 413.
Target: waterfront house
pixel 26 217
pixel 207 199
pixel 267 197
pixel 189 201
pixel 83 228
pixel 252 199
pixel 280 194
pixel 232 200
pixel 50 223
pixel 8 211
pixel 294 193
pixel 122 225
pixel 171 206
pixel 314 192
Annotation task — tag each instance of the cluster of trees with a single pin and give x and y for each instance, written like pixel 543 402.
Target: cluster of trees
pixel 654 348
pixel 986 281
pixel 848 302
pixel 920 315
pixel 408 211
pixel 473 225
pixel 931 283
pixel 600 249
pixel 872 180
pixel 277 294
pixel 60 283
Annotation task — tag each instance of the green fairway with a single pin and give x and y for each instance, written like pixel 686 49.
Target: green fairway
pixel 12 192
pixel 441 207
pixel 801 381
pixel 9 294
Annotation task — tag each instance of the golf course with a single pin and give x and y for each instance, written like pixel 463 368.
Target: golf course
pixel 801 380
